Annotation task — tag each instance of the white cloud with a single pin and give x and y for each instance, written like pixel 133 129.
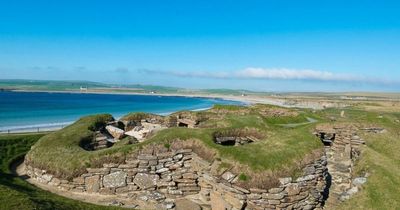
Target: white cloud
pixel 276 74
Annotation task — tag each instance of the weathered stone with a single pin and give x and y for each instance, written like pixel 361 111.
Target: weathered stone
pixel 79 180
pixel 189 176
pixel 359 181
pixel 271 196
pixel 162 170
pixel 285 180
pixel 92 183
pixel 116 179
pixel 98 170
pixel 217 202
pixel 115 132
pixel 233 200
pixel 178 157
pixel 145 181
pixel 55 182
pixel 126 166
pixel 276 190
pixel 293 189
pixel 190 189
pixel 165 184
pixel 126 189
pixel 175 192
pixel 46 178
pixel 184 180
pixel 164 160
pixel 305 178
pixel 228 176
pixel 184 204
pixel 110 165
pixel 241 189
pixel 153 162
pixel 274 202
pixel 175 166
pixel 254 196
pixel 256 190
pixel 131 172
pixel 153 195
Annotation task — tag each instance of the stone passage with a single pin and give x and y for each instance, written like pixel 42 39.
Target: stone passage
pixel 342 149
pixel 163 178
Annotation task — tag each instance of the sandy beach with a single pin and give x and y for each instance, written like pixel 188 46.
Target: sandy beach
pixel 245 99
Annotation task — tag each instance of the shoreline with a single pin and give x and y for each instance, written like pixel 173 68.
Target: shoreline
pixel 246 100
pixel 191 95
pixel 34 128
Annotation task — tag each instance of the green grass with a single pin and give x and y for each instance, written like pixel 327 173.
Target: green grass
pixel 16 193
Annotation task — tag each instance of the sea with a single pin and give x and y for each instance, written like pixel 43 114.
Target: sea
pixel 40 111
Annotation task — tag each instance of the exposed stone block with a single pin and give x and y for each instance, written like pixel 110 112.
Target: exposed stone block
pixel 116 179
pixel 92 184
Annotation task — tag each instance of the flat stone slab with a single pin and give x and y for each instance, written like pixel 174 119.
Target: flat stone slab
pixel 145 181
pixel 92 183
pixel 116 179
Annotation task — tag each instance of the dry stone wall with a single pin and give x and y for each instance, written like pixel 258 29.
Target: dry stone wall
pixel 163 177
pixel 343 148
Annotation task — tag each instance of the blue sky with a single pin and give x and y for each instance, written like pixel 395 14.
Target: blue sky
pixel 257 45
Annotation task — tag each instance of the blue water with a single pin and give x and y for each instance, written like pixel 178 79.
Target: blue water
pixel 21 110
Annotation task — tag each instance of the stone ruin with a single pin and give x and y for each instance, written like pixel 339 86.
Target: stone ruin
pixel 138 129
pixel 160 179
pixel 144 130
pixel 154 179
pixel 342 148
pixel 237 137
pixel 188 123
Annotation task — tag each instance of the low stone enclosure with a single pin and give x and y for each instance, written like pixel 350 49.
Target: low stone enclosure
pixel 160 176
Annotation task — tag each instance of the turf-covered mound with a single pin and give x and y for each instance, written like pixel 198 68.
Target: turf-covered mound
pixel 277 149
pixel 57 152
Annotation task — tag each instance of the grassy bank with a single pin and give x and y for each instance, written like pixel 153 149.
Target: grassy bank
pixel 16 193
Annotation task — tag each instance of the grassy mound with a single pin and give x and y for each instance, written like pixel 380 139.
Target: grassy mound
pixel 18 194
pixel 278 149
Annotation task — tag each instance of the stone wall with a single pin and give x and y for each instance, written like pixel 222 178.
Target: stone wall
pixel 163 177
pixel 304 192
pixel 343 149
pixel 167 172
